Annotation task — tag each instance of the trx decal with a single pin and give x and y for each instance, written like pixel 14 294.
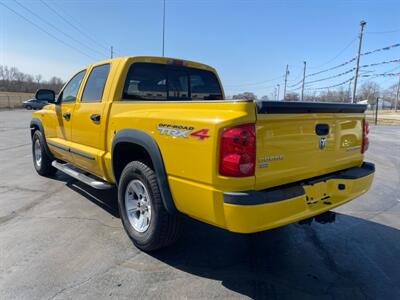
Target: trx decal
pixel 174 130
pixel 182 131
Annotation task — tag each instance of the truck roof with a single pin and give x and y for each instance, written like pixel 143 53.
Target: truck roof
pixel 158 59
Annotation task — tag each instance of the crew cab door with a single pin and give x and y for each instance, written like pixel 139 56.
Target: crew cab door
pixel 89 122
pixel 58 123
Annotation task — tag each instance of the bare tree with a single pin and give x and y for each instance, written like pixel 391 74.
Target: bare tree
pixel 369 90
pixel 245 95
pixel 264 98
pixel 292 96
pixel 12 80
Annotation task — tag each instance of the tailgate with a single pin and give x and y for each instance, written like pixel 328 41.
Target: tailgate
pixel 300 140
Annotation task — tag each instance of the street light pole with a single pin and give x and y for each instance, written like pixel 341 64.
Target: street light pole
pixel 360 36
pixel 278 88
pixel 163 32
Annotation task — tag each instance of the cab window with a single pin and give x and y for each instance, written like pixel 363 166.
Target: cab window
pixel 94 87
pixel 70 91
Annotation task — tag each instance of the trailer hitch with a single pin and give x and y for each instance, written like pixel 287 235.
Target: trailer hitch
pixel 326 217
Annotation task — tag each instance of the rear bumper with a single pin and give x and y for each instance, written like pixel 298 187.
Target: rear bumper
pixel 253 211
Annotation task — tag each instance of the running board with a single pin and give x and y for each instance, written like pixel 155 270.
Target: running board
pixel 94 183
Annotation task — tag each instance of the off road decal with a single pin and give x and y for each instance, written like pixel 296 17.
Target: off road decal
pixel 182 131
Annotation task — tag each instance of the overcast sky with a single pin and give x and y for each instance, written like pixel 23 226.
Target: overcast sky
pixel 247 41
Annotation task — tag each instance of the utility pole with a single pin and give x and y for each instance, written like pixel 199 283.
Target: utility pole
pixel 163 30
pixel 286 75
pixel 304 79
pixel 278 88
pixel 397 95
pixel 111 52
pixel 360 36
pixel 274 93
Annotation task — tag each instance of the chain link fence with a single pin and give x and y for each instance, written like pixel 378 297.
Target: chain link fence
pixel 379 115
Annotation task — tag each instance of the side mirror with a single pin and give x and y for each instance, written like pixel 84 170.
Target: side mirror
pixel 46 95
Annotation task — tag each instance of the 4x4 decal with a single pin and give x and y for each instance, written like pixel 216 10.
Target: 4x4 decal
pixel 201 134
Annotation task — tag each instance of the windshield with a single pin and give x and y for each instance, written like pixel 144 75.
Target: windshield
pixel 150 81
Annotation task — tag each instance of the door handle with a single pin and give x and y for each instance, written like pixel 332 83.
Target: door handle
pixel 67 115
pixel 95 118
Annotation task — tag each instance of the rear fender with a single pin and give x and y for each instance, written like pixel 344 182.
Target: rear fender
pixel 144 140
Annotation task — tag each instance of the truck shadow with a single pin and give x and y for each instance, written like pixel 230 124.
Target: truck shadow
pixel 352 257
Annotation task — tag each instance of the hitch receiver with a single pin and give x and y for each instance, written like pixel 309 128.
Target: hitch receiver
pixel 326 217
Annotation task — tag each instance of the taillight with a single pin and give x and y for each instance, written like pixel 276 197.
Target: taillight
pixel 238 151
pixel 365 140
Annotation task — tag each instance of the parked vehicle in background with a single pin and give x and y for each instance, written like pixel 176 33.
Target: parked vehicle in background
pixel 34 104
pixel 160 130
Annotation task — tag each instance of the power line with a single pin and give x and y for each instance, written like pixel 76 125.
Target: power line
pixel 57 29
pixel 255 83
pixel 329 69
pixel 354 58
pixel 255 88
pixel 383 32
pixel 45 31
pixel 87 35
pixel 332 86
pixel 331 77
pixel 337 55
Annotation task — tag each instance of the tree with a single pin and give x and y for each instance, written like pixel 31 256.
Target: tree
pixel 38 78
pixel 291 96
pixel 370 90
pixel 264 98
pixel 245 95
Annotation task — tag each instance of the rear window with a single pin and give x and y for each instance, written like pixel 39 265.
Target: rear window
pixel 149 81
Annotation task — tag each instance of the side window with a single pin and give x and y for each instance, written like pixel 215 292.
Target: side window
pixel 71 89
pixel 94 87
pixel 204 85
pixel 146 82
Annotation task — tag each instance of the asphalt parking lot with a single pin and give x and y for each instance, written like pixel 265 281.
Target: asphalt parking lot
pixel 60 239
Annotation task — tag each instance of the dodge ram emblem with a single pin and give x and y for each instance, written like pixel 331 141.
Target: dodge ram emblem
pixel 322 143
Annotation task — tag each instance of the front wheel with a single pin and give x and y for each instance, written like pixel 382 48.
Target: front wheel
pixel 41 160
pixel 142 212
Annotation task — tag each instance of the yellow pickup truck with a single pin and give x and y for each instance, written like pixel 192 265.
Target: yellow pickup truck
pixel 161 131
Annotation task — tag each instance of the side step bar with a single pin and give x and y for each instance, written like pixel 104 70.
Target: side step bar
pixel 94 183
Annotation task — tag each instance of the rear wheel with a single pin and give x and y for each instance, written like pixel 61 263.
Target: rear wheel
pixel 41 160
pixel 28 107
pixel 142 212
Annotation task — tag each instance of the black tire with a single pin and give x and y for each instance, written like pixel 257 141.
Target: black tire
pixel 28 107
pixel 44 168
pixel 163 228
